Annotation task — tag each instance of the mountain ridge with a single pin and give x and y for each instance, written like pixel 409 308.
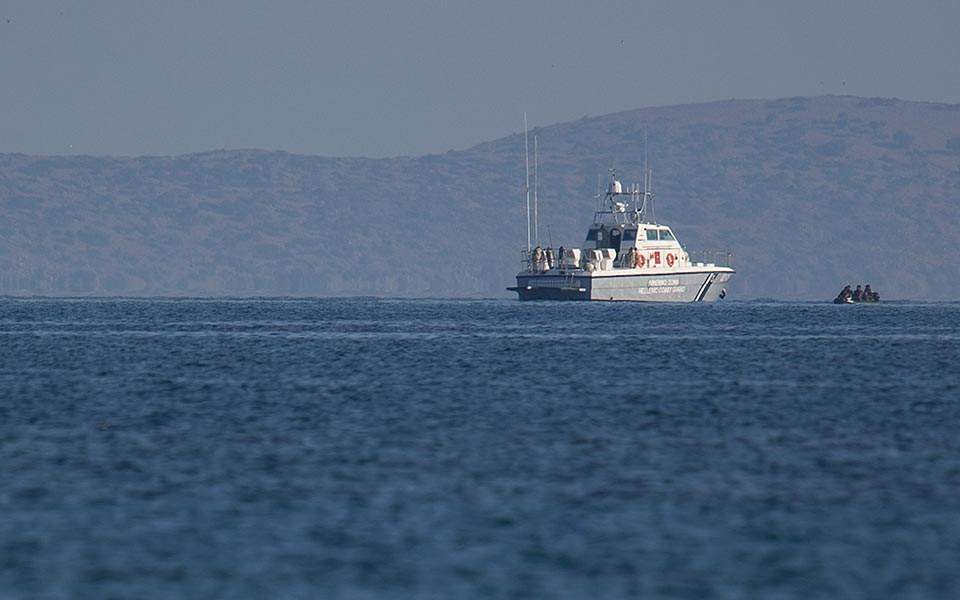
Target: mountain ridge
pixel 270 222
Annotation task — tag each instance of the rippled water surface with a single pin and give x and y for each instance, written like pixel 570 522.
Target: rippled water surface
pixel 449 449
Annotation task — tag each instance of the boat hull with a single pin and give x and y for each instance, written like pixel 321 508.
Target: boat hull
pixel 691 286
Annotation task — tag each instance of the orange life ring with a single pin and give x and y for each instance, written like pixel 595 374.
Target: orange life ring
pixel 640 261
pixel 670 260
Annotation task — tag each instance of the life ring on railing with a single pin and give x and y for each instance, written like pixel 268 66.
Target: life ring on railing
pixel 640 261
pixel 670 260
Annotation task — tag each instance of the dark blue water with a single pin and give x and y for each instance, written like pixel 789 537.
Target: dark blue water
pixel 456 449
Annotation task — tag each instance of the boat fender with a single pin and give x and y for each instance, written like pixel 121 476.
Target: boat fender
pixel 670 260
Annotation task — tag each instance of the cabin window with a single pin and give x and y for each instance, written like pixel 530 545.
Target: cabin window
pixel 665 234
pixel 594 234
pixel 651 235
pixel 629 235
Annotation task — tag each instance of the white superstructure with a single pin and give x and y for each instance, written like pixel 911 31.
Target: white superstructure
pixel 625 256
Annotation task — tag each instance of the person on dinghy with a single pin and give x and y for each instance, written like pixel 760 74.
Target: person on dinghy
pixel 844 296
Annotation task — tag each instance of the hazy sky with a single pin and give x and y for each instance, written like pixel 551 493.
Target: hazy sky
pixel 388 78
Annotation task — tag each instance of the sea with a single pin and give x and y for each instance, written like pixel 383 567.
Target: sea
pixel 389 448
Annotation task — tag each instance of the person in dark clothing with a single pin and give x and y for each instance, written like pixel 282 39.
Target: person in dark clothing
pixel 858 294
pixel 560 255
pixel 844 295
pixel 870 295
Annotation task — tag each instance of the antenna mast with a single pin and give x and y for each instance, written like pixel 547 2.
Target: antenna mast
pixel 526 160
pixel 644 153
pixel 647 181
pixel 648 193
pixel 536 191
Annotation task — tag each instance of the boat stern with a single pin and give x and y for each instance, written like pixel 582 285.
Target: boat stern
pixel 550 287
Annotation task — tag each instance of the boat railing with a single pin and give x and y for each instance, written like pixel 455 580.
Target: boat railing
pixel 528 264
pixel 719 258
pixel 526 260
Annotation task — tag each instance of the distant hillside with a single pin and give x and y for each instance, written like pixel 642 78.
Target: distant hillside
pixel 808 193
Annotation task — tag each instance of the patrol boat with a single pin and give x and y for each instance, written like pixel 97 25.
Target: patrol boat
pixel 626 256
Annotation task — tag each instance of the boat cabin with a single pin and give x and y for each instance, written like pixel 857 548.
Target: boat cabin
pixel 623 236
